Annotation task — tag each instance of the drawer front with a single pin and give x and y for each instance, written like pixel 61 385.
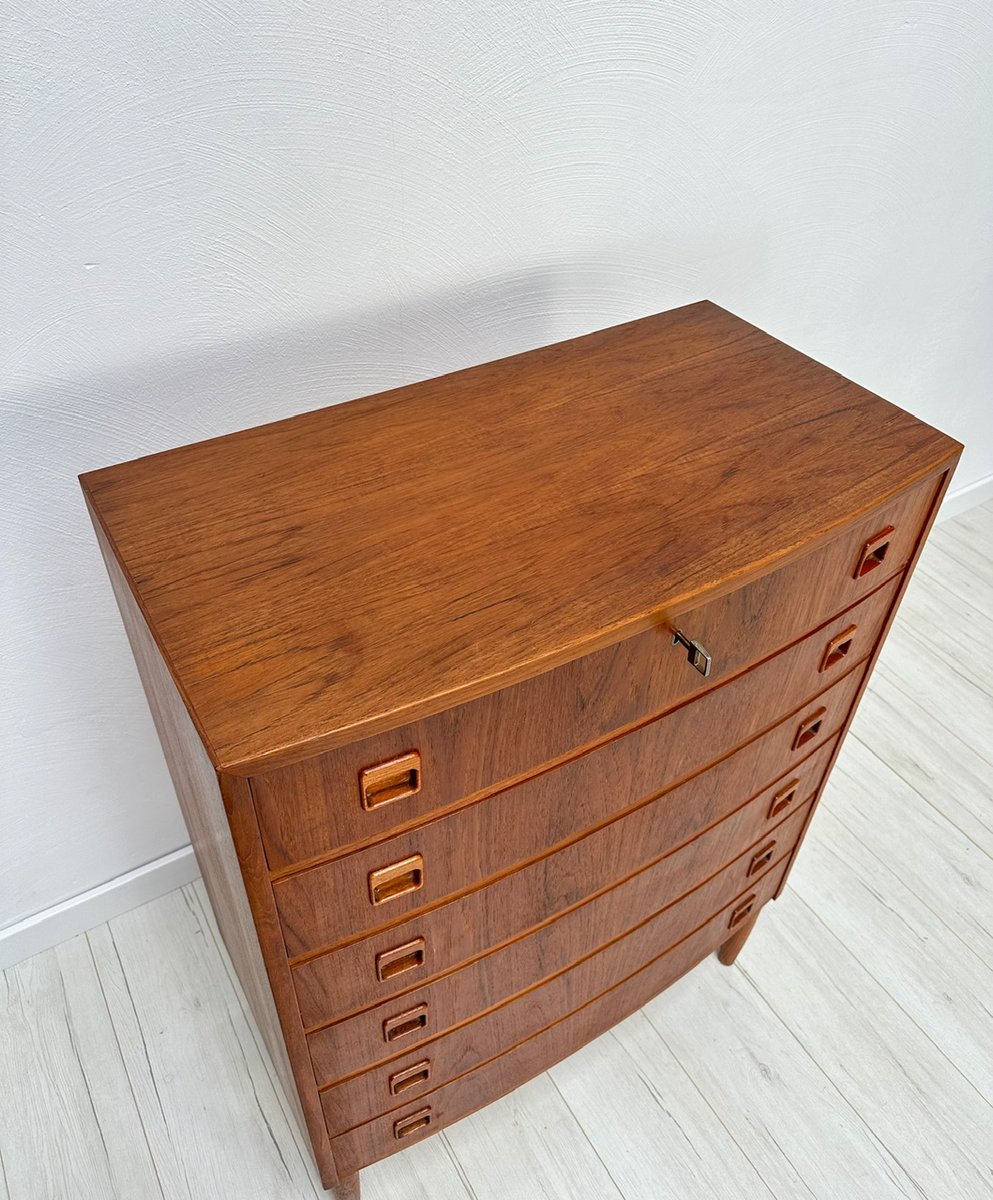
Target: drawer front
pixel 333 985
pixel 329 904
pixel 357 1042
pixel 384 1135
pixel 361 791
pixel 433 1063
pixel 402 1023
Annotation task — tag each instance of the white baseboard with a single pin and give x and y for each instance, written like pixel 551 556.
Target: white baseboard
pixel 63 921
pixel 960 499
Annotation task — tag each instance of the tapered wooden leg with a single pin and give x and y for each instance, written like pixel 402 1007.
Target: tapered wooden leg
pixel 346 1189
pixel 728 952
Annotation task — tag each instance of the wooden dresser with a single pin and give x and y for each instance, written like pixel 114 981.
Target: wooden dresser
pixel 496 702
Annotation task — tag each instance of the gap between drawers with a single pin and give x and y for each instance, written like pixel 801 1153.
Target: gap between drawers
pixel 281 873
pixel 780 863
pixel 402 917
pixel 322 1025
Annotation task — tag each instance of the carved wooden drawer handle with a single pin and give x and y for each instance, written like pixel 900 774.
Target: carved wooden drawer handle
pixel 399 878
pixel 873 552
pixel 838 648
pixel 402 1081
pixel 761 858
pixel 809 728
pixel 389 781
pixel 403 958
pixel 405 1023
pixel 741 911
pixel 406 1126
pixel 784 798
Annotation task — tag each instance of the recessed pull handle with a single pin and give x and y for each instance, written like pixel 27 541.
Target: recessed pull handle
pixel 809 728
pixel 389 781
pixel 741 911
pixel 761 858
pixel 405 1023
pixel 403 958
pixel 784 798
pixel 838 648
pixel 410 1077
pixel 873 552
pixel 399 878
pixel 406 1126
pixel 696 655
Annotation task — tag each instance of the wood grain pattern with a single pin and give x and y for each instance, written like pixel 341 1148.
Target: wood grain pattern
pixel 873 1049
pixel 376 1138
pixel 883 916
pixel 59 1055
pixel 358 1042
pixel 412 660
pixel 179 1035
pixel 471 846
pixel 314 808
pixel 876 916
pixel 214 808
pixel 329 904
pixel 343 980
pixel 284 554
pixel 456 1051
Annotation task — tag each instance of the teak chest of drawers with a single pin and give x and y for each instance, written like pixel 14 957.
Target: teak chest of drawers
pixel 496 702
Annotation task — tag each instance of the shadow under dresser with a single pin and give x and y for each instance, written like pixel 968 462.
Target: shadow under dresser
pixel 496 702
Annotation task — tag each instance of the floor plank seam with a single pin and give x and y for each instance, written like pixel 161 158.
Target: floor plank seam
pixel 456 1162
pixel 127 1073
pixel 249 1020
pixel 896 1003
pixel 938 812
pixel 67 1017
pixel 865 1047
pixel 937 916
pixel 586 1136
pixel 696 1087
pixel 883 1147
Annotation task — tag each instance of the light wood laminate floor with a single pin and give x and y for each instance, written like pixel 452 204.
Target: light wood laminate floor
pixel 848 1054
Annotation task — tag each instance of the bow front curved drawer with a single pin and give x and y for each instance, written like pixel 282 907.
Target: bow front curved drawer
pixel 493 703
pixel 449 1055
pixel 521 1060
pixel 338 900
pixel 350 977
pixel 321 806
pixel 371 1036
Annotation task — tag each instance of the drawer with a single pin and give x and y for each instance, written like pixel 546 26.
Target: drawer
pixel 364 972
pixel 403 1022
pixel 352 1044
pixel 334 902
pixel 355 793
pixel 605 961
pixel 386 1134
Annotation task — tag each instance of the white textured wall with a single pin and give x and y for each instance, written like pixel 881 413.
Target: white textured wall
pixel 221 213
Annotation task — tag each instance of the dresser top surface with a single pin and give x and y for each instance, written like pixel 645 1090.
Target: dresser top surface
pixel 329 576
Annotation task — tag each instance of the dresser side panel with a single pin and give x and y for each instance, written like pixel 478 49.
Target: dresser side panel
pixel 207 810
